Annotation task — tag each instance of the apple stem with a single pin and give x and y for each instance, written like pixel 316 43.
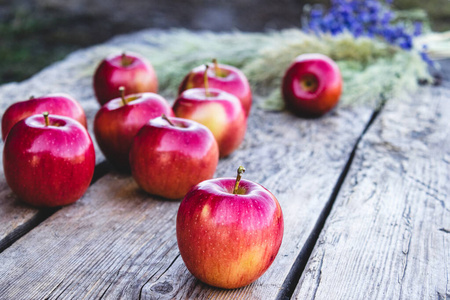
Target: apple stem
pixel 205 81
pixel 167 119
pixel 122 95
pixel 240 171
pixel 47 122
pixel 216 67
pixel 31 97
pixel 125 60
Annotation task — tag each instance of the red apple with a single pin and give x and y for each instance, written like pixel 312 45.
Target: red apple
pixel 229 231
pixel 120 119
pixel 48 160
pixel 129 70
pixel 170 155
pixel 223 77
pixel 55 104
pixel 218 110
pixel 312 85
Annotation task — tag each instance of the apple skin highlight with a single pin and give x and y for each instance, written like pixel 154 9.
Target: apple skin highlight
pixel 137 76
pixel 48 166
pixel 225 77
pixel 312 85
pixel 168 160
pixel 229 240
pixel 116 124
pixel 221 112
pixel 54 104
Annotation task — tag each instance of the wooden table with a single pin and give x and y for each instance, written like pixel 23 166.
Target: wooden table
pixel 365 196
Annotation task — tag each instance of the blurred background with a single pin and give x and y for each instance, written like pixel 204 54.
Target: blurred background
pixel 35 33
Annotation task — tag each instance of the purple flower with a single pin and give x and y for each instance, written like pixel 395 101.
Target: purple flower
pixel 362 18
pixel 417 28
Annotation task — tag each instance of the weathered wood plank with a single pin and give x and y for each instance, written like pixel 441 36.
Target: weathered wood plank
pixel 117 242
pixel 388 234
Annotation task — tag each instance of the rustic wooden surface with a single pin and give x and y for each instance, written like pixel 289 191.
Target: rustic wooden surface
pixel 388 236
pixel 118 242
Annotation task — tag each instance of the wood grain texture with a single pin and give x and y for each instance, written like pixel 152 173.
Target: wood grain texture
pixel 388 234
pixel 119 243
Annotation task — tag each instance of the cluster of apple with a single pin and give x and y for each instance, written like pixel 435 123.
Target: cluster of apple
pixel 169 149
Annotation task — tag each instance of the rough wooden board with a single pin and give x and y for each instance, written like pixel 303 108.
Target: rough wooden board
pixel 97 238
pixel 388 234
pixel 117 242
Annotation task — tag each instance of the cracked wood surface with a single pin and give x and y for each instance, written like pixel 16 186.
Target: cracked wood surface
pixel 119 243
pixel 387 235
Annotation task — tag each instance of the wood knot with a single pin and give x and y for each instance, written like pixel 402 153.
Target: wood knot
pixel 162 287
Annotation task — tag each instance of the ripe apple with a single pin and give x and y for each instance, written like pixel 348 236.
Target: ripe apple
pixel 129 70
pixel 223 77
pixel 55 104
pixel 229 231
pixel 312 85
pixel 120 119
pixel 48 160
pixel 218 110
pixel 170 155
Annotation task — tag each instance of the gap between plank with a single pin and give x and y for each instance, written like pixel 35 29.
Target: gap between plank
pixel 293 277
pixel 101 170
